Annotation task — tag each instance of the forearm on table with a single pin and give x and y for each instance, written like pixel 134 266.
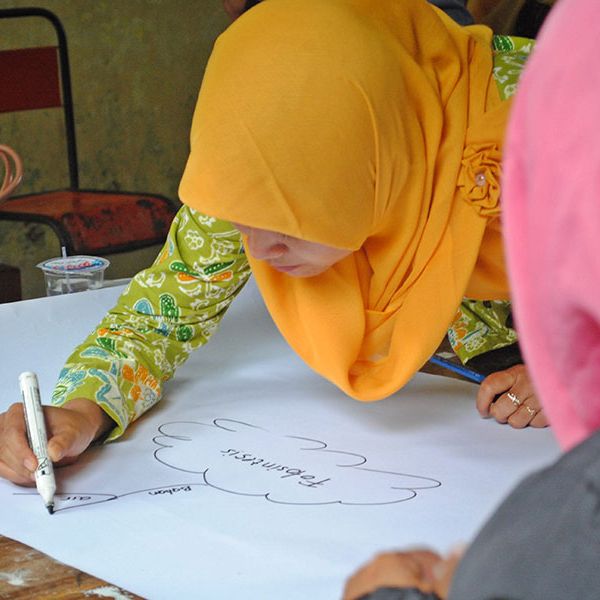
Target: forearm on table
pixel 166 312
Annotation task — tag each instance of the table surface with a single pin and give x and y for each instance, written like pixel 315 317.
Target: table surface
pixel 27 573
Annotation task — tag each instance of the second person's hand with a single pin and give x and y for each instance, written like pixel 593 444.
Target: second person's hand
pixel 509 397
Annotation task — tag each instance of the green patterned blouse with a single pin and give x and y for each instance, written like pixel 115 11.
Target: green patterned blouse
pixel 165 312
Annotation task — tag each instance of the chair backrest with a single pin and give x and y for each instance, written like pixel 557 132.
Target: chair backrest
pixel 33 78
pixel 13 171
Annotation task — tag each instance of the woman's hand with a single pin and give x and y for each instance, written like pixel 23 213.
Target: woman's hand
pixel 414 569
pixel 421 569
pixel 509 397
pixel 71 429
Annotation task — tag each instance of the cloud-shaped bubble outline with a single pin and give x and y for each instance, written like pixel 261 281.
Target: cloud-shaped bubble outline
pixel 357 462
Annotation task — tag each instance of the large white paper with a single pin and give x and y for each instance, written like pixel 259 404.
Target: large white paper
pixel 256 478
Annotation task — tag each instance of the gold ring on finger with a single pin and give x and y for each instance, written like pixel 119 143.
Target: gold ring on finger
pixel 513 398
pixel 530 410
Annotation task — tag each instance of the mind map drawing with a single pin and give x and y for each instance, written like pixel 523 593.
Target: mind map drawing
pixel 244 459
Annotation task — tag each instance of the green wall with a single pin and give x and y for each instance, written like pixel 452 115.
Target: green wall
pixel 136 70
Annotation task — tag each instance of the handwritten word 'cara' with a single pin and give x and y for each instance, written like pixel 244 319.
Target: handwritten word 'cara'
pixel 172 490
pixel 305 478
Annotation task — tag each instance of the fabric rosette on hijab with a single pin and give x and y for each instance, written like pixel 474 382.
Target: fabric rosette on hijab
pixel 345 123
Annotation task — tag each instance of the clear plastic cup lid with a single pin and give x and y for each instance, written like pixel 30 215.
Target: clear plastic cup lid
pixel 74 264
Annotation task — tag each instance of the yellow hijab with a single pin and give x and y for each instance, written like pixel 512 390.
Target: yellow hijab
pixel 368 125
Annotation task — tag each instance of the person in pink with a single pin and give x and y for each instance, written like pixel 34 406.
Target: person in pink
pixel 543 543
pixel 552 187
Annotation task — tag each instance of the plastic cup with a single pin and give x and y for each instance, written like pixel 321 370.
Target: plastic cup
pixel 69 274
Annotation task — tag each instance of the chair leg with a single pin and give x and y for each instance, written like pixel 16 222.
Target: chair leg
pixel 10 288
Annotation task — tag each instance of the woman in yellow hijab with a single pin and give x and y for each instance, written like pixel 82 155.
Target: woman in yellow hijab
pixel 356 146
pixel 373 128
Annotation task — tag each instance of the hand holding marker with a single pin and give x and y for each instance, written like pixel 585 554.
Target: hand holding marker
pixel 38 440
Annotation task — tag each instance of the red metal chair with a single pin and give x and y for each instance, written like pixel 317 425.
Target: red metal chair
pixel 85 221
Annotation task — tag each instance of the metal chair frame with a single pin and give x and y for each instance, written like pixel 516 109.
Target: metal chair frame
pixel 159 209
pixel 65 81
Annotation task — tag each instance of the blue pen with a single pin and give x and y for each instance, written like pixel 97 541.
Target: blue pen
pixel 464 371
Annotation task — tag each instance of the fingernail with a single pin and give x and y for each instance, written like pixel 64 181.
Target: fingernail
pixel 29 464
pixel 55 451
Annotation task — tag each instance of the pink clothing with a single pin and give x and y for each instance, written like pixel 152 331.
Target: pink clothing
pixel 552 217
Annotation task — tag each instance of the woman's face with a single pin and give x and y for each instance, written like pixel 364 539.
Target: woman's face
pixel 290 255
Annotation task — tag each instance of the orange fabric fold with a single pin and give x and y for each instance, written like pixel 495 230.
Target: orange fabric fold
pixel 369 125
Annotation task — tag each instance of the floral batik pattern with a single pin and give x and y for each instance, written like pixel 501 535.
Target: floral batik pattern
pixel 481 326
pixel 510 55
pixel 166 312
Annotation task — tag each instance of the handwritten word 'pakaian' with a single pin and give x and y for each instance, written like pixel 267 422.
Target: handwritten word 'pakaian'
pixel 172 490
pixel 305 478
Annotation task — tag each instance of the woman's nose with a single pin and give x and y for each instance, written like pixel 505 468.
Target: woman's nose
pixel 264 247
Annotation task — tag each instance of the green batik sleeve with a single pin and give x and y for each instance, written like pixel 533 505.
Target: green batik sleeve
pixel 166 311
